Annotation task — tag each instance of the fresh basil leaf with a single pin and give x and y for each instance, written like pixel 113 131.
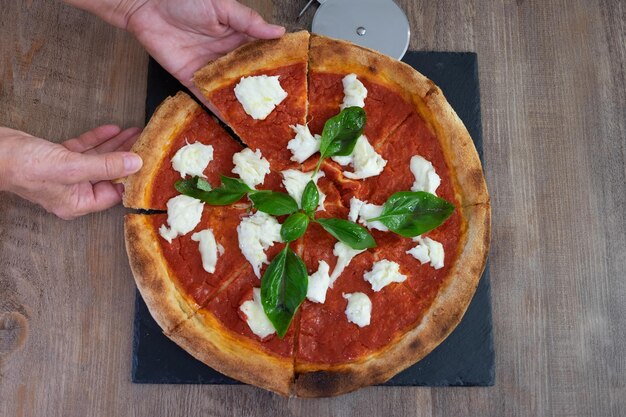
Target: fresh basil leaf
pixel 235 184
pixel 411 213
pixel 342 131
pixel 294 227
pixel 273 202
pixel 310 198
pixel 202 184
pixel 220 196
pixel 283 288
pixel 352 234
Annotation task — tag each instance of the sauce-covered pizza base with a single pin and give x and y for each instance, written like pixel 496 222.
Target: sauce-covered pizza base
pixel 323 353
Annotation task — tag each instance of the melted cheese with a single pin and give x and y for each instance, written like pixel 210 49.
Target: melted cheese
pixel 183 215
pixel 359 309
pixel 209 249
pixel 344 254
pixel 192 159
pixel 426 179
pixel 362 211
pixel 256 234
pixel 354 92
pixel 364 160
pixel 428 250
pixel 318 283
pixel 259 95
pixel 304 144
pixel 255 315
pixel 251 167
pixel 384 273
pixel 295 181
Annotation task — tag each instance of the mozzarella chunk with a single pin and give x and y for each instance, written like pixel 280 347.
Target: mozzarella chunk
pixel 344 254
pixel 304 144
pixel 318 283
pixel 383 273
pixel 259 95
pixel 192 159
pixel 209 249
pixel 295 181
pixel 364 160
pixel 359 309
pixel 255 315
pixel 354 92
pixel 183 215
pixel 362 211
pixel 251 167
pixel 256 234
pixel 428 250
pixel 426 179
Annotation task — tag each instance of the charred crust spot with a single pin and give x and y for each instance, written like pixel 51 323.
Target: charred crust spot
pixel 416 345
pixel 372 69
pixel 320 383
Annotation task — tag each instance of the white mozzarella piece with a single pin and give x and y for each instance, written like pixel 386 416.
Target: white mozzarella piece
pixel 259 95
pixel 383 273
pixel 344 254
pixel 209 249
pixel 426 179
pixel 183 215
pixel 362 211
pixel 364 160
pixel 354 92
pixel 256 234
pixel 255 315
pixel 359 309
pixel 304 144
pixel 192 159
pixel 318 283
pixel 251 167
pixel 428 250
pixel 295 181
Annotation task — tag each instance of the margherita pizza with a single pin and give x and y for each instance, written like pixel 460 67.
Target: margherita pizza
pixel 386 280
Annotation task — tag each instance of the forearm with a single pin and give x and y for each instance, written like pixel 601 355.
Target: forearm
pixel 9 141
pixel 114 12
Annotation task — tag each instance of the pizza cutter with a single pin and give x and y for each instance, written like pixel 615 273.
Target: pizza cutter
pixel 376 24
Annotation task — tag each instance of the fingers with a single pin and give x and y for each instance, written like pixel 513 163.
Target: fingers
pixel 105 195
pixel 86 167
pixel 122 142
pixel 245 20
pixel 91 138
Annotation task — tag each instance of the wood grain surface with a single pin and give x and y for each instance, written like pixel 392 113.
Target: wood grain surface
pixel 553 80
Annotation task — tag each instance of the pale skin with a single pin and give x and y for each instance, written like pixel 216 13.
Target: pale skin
pixel 73 178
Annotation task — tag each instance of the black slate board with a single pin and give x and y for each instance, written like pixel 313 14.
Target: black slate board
pixel 466 357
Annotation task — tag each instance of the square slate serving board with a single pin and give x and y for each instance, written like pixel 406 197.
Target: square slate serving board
pixel 466 357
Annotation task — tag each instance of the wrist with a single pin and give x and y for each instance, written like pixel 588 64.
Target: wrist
pixel 114 12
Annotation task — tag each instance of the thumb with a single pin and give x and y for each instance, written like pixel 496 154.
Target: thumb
pixel 98 167
pixel 245 20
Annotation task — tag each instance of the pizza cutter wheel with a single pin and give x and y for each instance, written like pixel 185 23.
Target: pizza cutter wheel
pixel 375 24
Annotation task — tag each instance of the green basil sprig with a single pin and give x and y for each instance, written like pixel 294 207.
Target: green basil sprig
pixel 283 288
pixel 340 133
pixel 294 227
pixel 352 234
pixel 411 213
pixel 232 190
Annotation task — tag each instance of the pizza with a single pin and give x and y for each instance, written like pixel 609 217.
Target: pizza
pixel 369 311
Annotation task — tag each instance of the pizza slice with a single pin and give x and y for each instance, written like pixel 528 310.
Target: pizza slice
pixel 181 140
pixel 260 91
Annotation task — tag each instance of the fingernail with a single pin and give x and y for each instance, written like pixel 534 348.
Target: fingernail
pixel 132 162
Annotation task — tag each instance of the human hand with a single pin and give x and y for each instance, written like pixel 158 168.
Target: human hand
pixel 72 178
pixel 183 35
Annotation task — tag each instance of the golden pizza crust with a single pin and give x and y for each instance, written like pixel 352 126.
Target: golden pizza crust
pixel 457 145
pixel 439 321
pixel 153 145
pixel 292 48
pixel 206 339
pixel 167 304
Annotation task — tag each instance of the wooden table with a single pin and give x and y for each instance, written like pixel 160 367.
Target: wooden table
pixel 553 80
